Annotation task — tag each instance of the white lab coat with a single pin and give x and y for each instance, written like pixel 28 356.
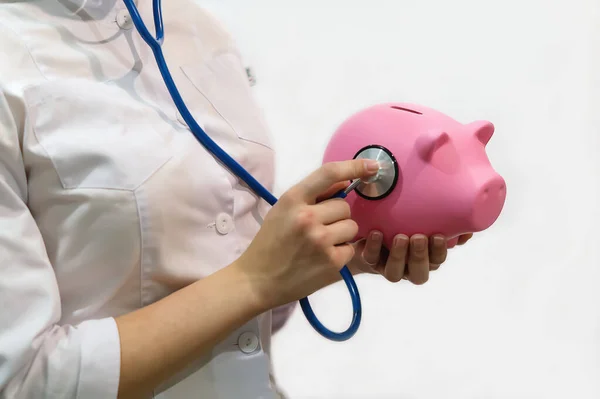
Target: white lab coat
pixel 107 201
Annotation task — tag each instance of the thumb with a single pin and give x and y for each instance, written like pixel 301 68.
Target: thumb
pixel 334 173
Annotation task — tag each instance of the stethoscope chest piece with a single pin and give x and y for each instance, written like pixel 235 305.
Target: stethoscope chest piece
pixel 382 184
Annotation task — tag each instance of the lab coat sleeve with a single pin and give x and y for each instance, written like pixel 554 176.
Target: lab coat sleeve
pixel 39 358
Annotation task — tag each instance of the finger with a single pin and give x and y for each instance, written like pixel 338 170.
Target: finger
pixel 331 211
pixel 462 240
pixel 372 250
pixel 437 252
pixel 418 259
pixel 452 242
pixel 337 187
pixel 396 262
pixel 340 232
pixel 342 255
pixel 335 172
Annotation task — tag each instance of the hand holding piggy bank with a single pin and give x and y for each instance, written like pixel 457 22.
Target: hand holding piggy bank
pixel 436 177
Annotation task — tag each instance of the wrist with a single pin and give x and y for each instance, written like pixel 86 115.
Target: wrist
pixel 251 287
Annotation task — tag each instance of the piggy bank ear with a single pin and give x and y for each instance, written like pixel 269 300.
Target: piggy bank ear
pixel 430 142
pixel 483 130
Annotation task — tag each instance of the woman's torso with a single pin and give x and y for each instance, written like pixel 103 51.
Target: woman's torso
pixel 131 207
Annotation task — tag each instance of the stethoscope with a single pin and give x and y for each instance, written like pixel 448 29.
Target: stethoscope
pixel 376 188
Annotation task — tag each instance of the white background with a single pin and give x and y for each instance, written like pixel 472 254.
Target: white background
pixel 516 312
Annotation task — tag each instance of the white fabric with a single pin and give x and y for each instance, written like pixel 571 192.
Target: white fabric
pixel 107 201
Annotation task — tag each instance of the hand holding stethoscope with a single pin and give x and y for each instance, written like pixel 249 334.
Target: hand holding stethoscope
pixel 304 241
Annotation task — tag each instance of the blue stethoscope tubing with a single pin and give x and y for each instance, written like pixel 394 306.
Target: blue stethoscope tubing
pixel 155 44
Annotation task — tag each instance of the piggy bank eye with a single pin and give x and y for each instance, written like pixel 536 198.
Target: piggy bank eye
pixel 382 184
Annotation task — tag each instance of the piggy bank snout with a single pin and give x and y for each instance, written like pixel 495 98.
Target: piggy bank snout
pixel 489 201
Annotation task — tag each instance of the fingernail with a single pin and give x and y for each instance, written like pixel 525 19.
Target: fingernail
pixel 376 236
pixel 419 244
pixel 371 165
pixel 400 241
pixel 439 241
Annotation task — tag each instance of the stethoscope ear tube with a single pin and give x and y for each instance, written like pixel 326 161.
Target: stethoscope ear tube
pixel 155 44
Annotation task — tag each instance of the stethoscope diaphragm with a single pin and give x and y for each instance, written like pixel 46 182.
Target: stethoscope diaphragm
pixel 383 183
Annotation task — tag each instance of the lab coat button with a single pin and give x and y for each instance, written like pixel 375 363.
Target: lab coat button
pixel 248 342
pixel 124 20
pixel 224 223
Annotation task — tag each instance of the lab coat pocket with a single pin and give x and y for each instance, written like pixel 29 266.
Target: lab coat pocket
pixel 223 83
pixel 95 134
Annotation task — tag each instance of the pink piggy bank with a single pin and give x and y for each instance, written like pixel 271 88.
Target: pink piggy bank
pixel 435 178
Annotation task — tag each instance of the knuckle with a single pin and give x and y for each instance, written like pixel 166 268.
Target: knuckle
pixel 285 196
pixel 340 257
pixel 331 257
pixel 318 237
pixel 352 227
pixel 395 259
pixel 371 254
pixel 334 260
pixel 347 211
pixel 304 219
pixel 418 255
pixel 331 170
pixel 290 194
pixel 288 199
pixel 438 251
pixel 358 166
pixel 398 255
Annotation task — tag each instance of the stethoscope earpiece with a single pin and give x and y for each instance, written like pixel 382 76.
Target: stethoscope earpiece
pixel 383 183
